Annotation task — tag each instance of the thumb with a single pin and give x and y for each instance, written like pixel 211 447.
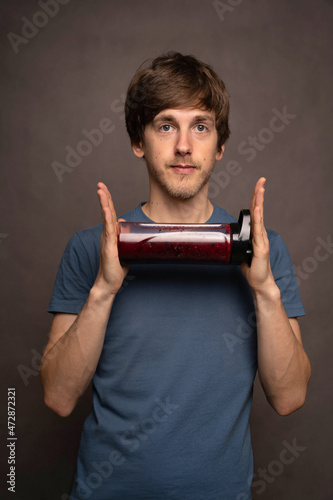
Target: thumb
pixel 120 220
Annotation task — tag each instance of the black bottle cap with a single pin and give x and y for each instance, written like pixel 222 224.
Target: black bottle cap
pixel 241 239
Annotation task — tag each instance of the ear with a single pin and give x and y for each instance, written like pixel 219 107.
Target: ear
pixel 138 150
pixel 219 153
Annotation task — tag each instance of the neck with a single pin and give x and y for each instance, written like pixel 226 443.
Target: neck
pixel 196 210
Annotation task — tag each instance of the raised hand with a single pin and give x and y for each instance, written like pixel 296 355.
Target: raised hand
pixel 111 272
pixel 259 274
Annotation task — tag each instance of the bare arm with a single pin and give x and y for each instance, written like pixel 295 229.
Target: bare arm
pixel 283 366
pixel 75 343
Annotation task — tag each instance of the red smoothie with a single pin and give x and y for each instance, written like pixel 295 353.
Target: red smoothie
pixel 148 242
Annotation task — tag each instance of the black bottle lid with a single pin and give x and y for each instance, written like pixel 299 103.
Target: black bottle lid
pixel 241 239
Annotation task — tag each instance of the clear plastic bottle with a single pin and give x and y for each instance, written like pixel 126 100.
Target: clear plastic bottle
pixel 224 243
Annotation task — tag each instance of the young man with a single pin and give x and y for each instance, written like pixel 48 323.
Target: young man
pixel 174 355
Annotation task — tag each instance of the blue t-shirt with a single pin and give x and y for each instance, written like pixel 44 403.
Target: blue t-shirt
pixel 172 392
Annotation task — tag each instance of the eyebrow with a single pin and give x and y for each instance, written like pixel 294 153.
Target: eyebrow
pixel 196 118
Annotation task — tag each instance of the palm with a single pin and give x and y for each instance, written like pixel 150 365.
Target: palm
pixel 111 271
pixel 259 271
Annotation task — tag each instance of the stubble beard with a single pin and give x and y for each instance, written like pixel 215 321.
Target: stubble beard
pixel 184 189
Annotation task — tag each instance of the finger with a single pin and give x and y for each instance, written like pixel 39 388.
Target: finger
pixel 258 237
pixel 102 200
pixel 253 202
pixel 259 231
pixel 119 220
pixel 109 227
pixel 108 196
pixel 104 188
pixel 260 201
pixel 106 214
pixel 260 183
pixel 111 206
pixel 101 186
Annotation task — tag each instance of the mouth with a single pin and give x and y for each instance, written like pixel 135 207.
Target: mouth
pixel 183 169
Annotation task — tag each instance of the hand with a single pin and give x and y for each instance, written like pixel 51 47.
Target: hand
pixel 111 272
pixel 259 275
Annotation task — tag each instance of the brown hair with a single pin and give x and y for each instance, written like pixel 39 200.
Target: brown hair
pixel 175 81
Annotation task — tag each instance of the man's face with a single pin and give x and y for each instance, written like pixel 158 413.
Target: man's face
pixel 180 150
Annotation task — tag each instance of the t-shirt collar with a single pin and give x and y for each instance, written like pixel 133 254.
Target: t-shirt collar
pixel 145 218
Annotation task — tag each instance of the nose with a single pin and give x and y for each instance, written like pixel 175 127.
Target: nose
pixel 183 144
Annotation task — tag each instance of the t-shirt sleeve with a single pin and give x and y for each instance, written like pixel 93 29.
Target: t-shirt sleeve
pixel 284 276
pixel 74 279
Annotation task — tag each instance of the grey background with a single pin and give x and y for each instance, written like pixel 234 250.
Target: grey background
pixel 71 75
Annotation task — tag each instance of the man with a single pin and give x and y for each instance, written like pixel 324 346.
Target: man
pixel 173 355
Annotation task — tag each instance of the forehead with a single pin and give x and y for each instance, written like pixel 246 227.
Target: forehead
pixel 185 114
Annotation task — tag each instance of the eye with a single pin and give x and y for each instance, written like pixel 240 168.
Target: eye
pixel 166 127
pixel 201 128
